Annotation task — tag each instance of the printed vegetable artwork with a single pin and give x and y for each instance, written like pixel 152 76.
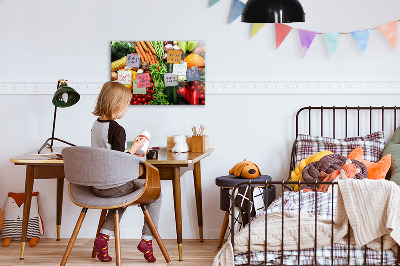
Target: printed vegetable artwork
pixel 141 57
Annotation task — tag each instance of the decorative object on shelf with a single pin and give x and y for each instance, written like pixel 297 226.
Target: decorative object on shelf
pixel 245 169
pixel 160 72
pixel 273 11
pixel 180 144
pixel 64 96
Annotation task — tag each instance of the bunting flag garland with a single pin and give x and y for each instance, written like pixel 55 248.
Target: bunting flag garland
pixel 361 37
pixel 213 2
pixel 389 30
pixel 237 8
pixel 332 41
pixel 306 39
pixel 281 31
pixel 256 27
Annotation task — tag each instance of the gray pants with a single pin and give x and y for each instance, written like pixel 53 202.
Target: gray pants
pixel 154 208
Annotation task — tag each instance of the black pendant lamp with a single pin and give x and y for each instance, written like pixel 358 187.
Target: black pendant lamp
pixel 273 11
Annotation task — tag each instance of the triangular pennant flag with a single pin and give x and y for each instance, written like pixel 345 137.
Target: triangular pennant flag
pixel 361 37
pixel 306 39
pixel 332 41
pixel 281 31
pixel 390 32
pixel 256 27
pixel 237 9
pixel 213 2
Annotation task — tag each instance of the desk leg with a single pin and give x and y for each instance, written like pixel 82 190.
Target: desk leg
pixel 60 190
pixel 197 189
pixel 27 206
pixel 176 183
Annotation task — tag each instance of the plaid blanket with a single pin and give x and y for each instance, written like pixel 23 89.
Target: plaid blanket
pixel 323 205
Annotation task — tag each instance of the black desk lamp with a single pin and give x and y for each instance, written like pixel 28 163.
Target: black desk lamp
pixel 273 11
pixel 65 96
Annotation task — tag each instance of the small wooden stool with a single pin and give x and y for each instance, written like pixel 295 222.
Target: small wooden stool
pixel 226 183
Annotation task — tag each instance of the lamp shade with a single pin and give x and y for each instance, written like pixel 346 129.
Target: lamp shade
pixel 65 96
pixel 273 11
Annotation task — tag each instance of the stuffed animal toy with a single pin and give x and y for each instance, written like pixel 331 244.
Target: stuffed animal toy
pixel 13 215
pixel 180 144
pixel 245 169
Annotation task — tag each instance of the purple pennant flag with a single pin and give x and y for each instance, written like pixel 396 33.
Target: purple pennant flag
pixel 237 9
pixel 306 39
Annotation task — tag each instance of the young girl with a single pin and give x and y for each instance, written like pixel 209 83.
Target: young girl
pixel 112 103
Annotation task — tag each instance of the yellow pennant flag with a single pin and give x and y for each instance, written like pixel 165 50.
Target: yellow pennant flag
pixel 256 27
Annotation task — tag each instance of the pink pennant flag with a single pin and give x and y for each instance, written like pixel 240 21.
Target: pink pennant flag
pixel 389 30
pixel 281 31
pixel 306 39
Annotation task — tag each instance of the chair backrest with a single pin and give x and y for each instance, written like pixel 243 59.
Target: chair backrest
pixel 92 166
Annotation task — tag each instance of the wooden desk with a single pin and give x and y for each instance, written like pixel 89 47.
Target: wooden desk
pixel 169 165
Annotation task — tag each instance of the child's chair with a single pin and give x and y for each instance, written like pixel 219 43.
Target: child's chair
pixel 85 167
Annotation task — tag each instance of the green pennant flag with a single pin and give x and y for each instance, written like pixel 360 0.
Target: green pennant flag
pixel 213 2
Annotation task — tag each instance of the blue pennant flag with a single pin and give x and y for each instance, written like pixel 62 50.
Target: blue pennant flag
pixel 237 9
pixel 361 37
pixel 213 2
pixel 332 41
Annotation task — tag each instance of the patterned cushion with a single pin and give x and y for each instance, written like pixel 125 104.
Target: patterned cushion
pixel 372 144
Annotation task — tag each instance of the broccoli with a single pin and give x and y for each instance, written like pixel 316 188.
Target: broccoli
pixel 121 49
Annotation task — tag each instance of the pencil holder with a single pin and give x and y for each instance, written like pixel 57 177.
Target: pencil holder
pixel 200 143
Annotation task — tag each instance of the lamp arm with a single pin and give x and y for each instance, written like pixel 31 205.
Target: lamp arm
pixel 54 126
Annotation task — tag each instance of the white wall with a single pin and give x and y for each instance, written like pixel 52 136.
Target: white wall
pixel 43 41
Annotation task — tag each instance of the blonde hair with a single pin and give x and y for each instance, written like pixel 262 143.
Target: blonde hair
pixel 112 98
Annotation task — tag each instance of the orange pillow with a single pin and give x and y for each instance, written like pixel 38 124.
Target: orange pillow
pixel 375 170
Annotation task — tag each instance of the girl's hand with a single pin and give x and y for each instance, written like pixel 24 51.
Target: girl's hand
pixel 142 155
pixel 137 144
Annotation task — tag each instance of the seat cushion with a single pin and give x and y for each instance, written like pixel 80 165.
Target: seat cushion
pixel 84 196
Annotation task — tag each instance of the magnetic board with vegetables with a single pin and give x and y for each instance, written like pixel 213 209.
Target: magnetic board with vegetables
pixel 161 72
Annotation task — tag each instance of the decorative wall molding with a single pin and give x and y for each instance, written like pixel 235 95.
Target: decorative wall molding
pixel 233 87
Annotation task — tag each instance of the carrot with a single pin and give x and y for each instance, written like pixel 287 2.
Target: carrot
pixel 144 46
pixel 152 62
pixel 142 53
pixel 151 47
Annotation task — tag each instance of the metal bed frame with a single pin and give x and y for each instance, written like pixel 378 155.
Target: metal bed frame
pixel 283 184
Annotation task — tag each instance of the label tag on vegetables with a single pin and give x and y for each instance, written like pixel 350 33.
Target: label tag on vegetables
pixel 180 69
pixel 174 56
pixel 192 74
pixel 144 80
pixel 170 79
pixel 133 60
pixel 136 90
pixel 125 77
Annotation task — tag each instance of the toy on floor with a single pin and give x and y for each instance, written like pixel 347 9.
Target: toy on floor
pixel 245 169
pixel 13 215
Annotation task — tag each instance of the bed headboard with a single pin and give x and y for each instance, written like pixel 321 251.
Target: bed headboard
pixel 344 121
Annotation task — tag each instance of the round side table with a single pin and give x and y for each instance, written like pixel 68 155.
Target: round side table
pixel 228 182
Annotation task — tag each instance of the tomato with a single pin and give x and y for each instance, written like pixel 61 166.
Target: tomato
pixel 148 97
pixel 182 92
pixel 152 92
pixel 192 88
pixel 134 102
pixel 203 102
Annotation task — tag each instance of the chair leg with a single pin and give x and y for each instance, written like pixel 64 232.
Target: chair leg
pixel 101 222
pixel 117 239
pixel 223 229
pixel 73 237
pixel 154 230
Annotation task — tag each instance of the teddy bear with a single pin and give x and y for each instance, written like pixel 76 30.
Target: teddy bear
pixel 245 169
pixel 180 144
pixel 13 215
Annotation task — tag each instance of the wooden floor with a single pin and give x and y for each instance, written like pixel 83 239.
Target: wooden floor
pixel 50 252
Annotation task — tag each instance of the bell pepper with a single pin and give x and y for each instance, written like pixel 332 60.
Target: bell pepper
pixel 195 98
